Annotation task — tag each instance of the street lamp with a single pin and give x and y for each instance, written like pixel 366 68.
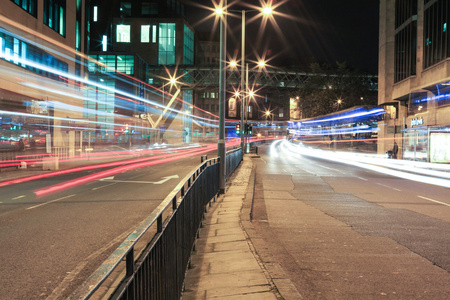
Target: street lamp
pixel 267 11
pixel 222 94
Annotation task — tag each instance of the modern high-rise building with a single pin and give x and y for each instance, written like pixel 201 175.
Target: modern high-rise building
pixel 414 78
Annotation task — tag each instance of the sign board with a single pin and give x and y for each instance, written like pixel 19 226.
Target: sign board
pixel 416 121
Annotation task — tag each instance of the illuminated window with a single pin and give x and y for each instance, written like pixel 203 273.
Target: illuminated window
pixel 78 21
pixel 166 44
pixel 112 63
pixel 26 55
pixel 105 43
pixel 55 15
pixel 125 64
pixel 188 46
pixel 154 31
pixel 95 15
pixel 123 33
pixel 27 5
pixel 145 33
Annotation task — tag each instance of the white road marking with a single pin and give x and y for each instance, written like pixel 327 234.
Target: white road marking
pixel 333 169
pixel 100 187
pixel 18 197
pixel 365 179
pixel 167 178
pixel 389 187
pixel 432 200
pixel 42 204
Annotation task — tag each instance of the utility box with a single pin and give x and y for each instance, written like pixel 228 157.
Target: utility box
pixel 50 164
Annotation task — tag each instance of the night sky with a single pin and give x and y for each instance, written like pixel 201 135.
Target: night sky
pixel 311 30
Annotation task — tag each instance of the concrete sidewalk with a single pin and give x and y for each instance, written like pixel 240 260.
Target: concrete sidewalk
pixel 225 264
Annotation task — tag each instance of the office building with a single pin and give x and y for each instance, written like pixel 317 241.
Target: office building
pixel 414 79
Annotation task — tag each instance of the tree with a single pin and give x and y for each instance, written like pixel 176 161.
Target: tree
pixel 333 88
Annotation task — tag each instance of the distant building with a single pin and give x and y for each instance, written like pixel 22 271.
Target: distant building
pixel 39 66
pixel 414 78
pixel 127 37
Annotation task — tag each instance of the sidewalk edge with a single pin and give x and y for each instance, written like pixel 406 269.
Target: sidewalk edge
pixel 282 285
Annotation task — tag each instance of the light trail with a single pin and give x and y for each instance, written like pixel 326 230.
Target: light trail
pixel 88 178
pixel 396 168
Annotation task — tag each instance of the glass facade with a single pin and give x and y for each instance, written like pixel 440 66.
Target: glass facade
pixel 30 57
pixel 166 44
pixel 113 63
pixel 405 39
pixel 78 34
pixel 55 15
pixel 188 46
pixel 99 106
pixel 29 6
pixel 436 41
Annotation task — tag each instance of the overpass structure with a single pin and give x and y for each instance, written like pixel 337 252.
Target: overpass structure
pixel 205 77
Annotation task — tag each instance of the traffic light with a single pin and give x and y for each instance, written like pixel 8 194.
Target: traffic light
pixel 238 128
pixel 248 129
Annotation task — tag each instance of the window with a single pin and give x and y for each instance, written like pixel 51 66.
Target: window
pixel 405 39
pixel 55 15
pixel 123 34
pixel 154 33
pixel 125 9
pixel 30 57
pixel 435 33
pixel 405 52
pixel 145 33
pixel 105 43
pixel 188 46
pixel 78 21
pixel 148 8
pixel 166 44
pixel 112 63
pixel 95 14
pixel 125 64
pixel 27 5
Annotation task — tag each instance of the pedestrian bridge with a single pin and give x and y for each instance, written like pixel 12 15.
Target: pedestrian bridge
pixel 203 77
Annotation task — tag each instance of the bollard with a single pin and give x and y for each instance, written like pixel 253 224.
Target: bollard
pixel 256 149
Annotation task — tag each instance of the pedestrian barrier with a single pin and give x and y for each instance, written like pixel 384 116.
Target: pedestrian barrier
pixel 159 270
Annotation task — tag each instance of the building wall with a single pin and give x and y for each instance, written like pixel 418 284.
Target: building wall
pixel 398 95
pixel 30 84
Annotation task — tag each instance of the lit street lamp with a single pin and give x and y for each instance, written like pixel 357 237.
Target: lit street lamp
pixel 266 11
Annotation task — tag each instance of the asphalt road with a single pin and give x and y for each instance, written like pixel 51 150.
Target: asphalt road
pixel 51 243
pixel 342 232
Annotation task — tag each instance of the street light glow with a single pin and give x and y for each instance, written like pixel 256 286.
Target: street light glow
pixel 267 10
pixel 261 63
pixel 219 11
pixel 233 63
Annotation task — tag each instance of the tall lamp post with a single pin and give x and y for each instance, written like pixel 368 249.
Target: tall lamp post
pixel 222 95
pixel 244 80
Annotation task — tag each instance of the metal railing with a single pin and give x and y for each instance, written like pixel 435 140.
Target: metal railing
pixel 159 271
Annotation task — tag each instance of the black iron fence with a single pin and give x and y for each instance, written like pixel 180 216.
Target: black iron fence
pixel 159 270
